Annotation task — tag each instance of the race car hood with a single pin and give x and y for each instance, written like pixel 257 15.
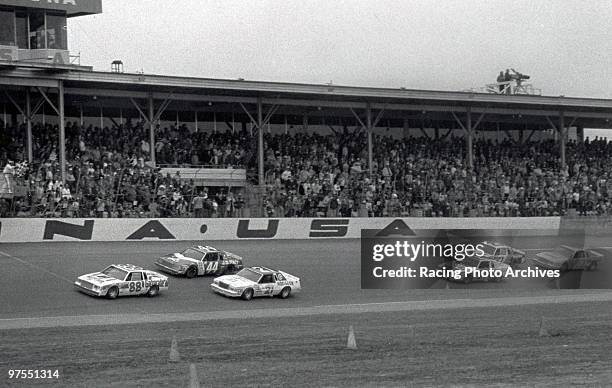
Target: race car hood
pixel 235 281
pixel 551 258
pixel 178 258
pixel 98 279
pixel 461 266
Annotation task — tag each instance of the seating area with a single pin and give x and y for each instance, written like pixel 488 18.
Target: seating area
pixel 307 174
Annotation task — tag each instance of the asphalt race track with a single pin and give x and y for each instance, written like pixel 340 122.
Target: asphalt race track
pixel 37 278
pixel 37 292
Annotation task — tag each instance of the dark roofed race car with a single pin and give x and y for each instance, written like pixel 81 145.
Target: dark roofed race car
pixel 121 280
pixel 257 281
pixel 566 258
pixel 200 260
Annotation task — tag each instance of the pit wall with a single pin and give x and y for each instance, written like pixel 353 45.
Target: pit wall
pixel 30 230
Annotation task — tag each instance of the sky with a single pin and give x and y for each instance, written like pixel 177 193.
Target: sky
pixel 564 45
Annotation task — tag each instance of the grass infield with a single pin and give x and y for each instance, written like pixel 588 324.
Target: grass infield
pixel 466 347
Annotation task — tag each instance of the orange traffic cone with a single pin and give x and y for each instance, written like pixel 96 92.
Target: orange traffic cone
pixel 543 331
pixel 174 353
pixel 411 333
pixel 194 382
pixel 351 343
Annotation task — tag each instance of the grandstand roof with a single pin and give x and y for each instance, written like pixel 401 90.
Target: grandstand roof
pixel 72 8
pixel 326 99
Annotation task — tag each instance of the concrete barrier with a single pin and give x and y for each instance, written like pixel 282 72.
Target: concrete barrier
pixel 14 230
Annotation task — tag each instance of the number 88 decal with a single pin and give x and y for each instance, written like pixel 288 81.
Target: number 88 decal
pixel 135 286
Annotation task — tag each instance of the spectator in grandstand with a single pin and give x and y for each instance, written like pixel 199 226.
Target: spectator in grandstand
pixel 501 78
pixel 507 78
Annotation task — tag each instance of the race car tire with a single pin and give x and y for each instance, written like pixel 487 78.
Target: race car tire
pixel 285 292
pixel 230 270
pixel 247 294
pixel 592 266
pixel 191 272
pixel 112 293
pixel 153 291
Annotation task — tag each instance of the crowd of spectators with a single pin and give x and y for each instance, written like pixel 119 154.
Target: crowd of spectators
pixel 313 175
pixel 307 175
pixel 109 174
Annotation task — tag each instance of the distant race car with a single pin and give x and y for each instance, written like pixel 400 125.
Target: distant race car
pixel 200 260
pixel 257 281
pixel 121 280
pixel 475 263
pixel 567 258
pixel 503 253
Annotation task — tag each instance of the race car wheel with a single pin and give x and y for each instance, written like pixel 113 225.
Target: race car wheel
pixel 247 294
pixel 284 294
pixel 191 272
pixel 112 293
pixel 592 266
pixel 153 291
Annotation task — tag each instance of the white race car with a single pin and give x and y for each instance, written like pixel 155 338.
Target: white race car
pixel 257 281
pixel 120 280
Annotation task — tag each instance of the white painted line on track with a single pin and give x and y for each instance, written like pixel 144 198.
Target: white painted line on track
pixel 36 267
pixel 397 306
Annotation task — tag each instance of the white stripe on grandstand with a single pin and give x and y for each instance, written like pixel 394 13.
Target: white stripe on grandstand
pixel 125 319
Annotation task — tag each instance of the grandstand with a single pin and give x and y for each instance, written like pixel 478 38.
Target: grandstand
pixel 114 144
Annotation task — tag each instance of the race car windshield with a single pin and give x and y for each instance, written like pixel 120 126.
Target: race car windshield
pixel 489 250
pixel 249 274
pixel 192 253
pixel 115 272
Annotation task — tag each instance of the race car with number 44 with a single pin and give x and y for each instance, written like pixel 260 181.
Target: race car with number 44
pixel 200 260
pixel 257 281
pixel 122 280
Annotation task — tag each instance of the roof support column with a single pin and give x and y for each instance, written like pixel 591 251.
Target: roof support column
pixel 580 134
pixel 28 116
pixel 152 130
pixel 370 146
pixel 62 130
pixel 260 141
pixel 562 139
pixel 469 129
pixel 470 139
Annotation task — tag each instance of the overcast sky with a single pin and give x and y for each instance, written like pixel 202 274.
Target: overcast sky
pixel 565 45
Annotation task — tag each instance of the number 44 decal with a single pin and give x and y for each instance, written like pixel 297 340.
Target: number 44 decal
pixel 212 266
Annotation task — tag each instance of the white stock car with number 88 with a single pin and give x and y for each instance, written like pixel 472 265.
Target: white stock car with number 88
pixel 122 280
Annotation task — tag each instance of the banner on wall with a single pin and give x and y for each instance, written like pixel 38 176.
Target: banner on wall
pixel 14 230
